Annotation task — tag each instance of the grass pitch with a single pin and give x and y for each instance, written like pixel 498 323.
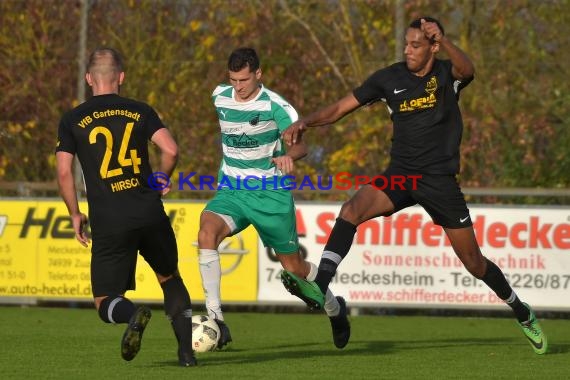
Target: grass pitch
pixel 59 343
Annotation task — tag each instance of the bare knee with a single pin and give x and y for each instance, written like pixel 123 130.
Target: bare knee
pixel 366 204
pixel 207 238
pixel 466 248
pixel 213 229
pixel 349 213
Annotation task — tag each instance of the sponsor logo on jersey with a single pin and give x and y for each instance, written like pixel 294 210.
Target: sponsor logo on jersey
pixel 423 102
pixel 241 141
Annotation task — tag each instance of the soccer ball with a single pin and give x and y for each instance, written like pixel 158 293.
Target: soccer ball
pixel 205 333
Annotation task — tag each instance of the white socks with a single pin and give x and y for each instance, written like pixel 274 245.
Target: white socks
pixel 211 272
pixel 332 307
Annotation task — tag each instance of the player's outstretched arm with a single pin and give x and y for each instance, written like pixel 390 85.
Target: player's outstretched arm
pixel 325 116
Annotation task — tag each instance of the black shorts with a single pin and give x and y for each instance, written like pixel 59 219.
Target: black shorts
pixel 439 195
pixel 114 257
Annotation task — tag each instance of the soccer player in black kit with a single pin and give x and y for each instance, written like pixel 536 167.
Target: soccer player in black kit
pixel 110 135
pixel 422 97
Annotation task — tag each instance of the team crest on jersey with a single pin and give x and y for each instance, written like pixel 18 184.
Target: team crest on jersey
pixel 241 141
pixel 431 85
pixel 254 121
pixel 423 102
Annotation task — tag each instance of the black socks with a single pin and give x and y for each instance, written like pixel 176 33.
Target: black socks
pixel 336 249
pixel 495 279
pixel 116 309
pixel 178 309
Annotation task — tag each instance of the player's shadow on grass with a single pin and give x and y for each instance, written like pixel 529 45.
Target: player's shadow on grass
pixel 448 342
pixel 290 352
pixel 232 355
pixel 304 350
pixel 375 346
pixel 360 348
pixel 558 348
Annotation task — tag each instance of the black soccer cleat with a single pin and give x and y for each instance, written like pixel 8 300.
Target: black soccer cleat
pixel 186 357
pixel 340 325
pixel 225 336
pixel 131 342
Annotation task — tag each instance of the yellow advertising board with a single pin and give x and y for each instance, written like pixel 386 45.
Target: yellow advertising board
pixel 40 258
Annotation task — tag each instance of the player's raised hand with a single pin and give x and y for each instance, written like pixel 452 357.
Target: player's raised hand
pixel 294 132
pixel 431 31
pixel 79 222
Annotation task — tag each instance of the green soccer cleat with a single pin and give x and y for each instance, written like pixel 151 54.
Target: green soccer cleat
pixel 534 334
pixel 308 291
pixel 131 342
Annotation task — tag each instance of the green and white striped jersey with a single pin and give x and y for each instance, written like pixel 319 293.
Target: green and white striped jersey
pixel 251 136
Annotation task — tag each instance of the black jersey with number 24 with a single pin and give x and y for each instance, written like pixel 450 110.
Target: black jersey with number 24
pixel 110 135
pixel 425 114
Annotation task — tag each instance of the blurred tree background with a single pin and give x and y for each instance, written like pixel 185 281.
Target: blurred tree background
pixel 516 112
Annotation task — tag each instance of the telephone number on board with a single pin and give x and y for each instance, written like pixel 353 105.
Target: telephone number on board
pixel 538 281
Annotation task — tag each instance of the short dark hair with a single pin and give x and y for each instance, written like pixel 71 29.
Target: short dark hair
pixel 417 23
pixel 243 57
pixel 118 64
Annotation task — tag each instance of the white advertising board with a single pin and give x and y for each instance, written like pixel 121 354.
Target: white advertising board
pixel 405 260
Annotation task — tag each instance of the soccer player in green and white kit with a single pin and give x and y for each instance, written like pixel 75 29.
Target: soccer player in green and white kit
pixel 251 189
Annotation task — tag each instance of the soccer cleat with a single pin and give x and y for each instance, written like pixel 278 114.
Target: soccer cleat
pixel 340 325
pixel 308 291
pixel 186 358
pixel 225 336
pixel 131 342
pixel 534 334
